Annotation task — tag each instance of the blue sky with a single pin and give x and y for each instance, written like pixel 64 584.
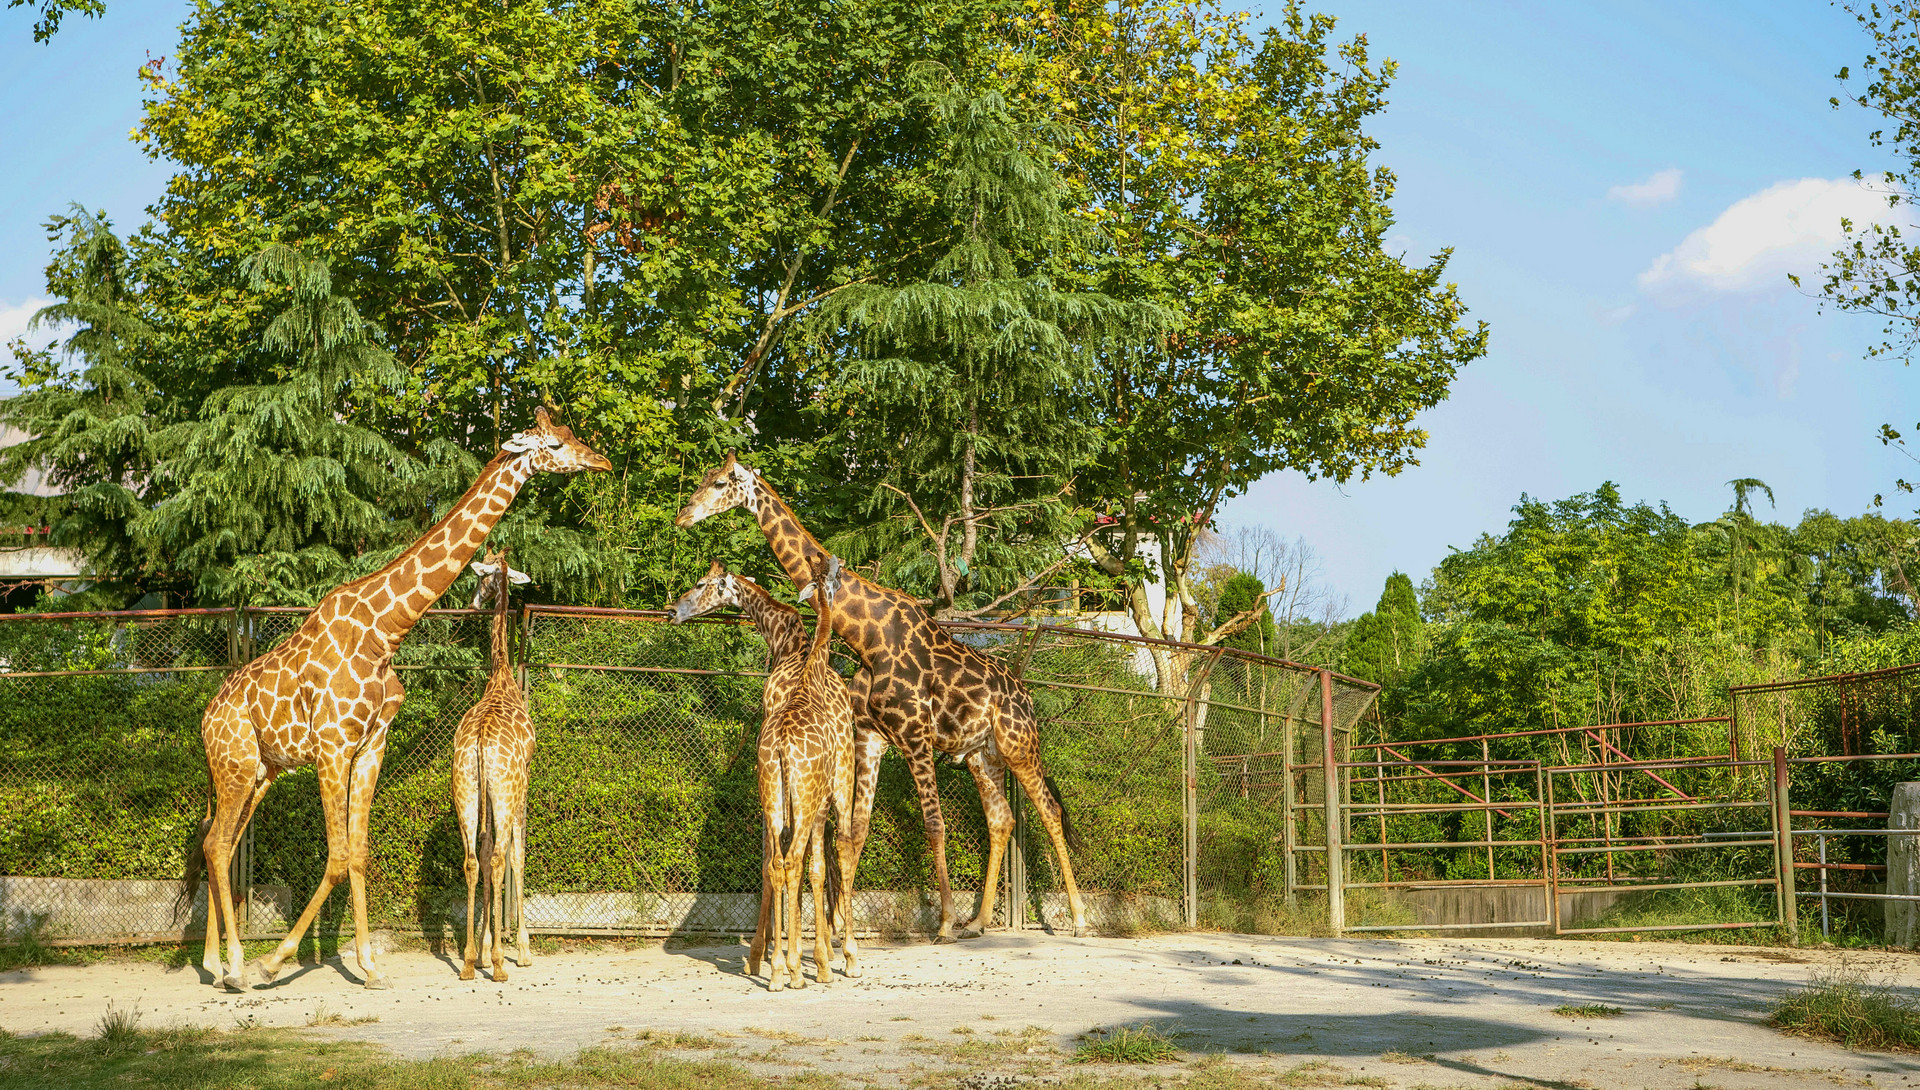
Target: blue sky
pixel 1624 186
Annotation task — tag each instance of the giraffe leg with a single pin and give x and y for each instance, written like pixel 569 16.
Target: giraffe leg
pixel 520 885
pixel 796 856
pixel 920 763
pixel 232 788
pixel 777 911
pixel 843 843
pixel 366 776
pixel 759 945
pixel 822 912
pixel 1035 784
pixel 988 774
pixel 497 884
pixel 334 771
pixel 466 808
pixel 868 747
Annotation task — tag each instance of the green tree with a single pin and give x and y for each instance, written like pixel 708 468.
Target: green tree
pixel 1233 182
pixel 52 11
pixel 1386 644
pixel 969 384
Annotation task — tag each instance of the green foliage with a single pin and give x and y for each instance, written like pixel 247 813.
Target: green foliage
pixel 1126 1045
pixel 1852 1010
pixel 1385 644
pixel 52 11
pixel 1232 180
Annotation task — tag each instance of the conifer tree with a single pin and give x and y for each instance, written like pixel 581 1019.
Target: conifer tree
pixel 274 488
pixel 968 382
pixel 1385 644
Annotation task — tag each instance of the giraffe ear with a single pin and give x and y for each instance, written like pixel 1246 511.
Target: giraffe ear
pixel 806 592
pixel 516 576
pixel 482 569
pixel 521 443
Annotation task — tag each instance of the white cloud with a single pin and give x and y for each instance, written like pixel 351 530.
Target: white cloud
pixel 14 318
pixel 1790 227
pixel 1662 187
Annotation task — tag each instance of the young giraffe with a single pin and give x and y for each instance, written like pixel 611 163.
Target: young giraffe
pixel 786 640
pixel 326 694
pixel 492 753
pixel 806 761
pixel 919 690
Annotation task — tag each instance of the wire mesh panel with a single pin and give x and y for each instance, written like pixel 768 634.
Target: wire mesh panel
pixel 102 779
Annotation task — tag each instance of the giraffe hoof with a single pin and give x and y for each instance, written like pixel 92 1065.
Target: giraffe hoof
pixel 852 971
pixel 775 984
pixel 1083 931
pixel 466 972
pixel 378 982
pixel 233 983
pixel 258 975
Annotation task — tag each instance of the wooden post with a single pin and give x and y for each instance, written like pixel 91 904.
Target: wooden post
pixel 1903 865
pixel 1783 846
pixel 1330 778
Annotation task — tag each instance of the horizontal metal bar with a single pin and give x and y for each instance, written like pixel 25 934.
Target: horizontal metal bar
pixel 1838 866
pixel 1815 682
pixel 1172 700
pixel 1839 813
pixel 1643 766
pixel 1602 808
pixel 1668 838
pixel 1856 832
pixel 639 669
pixel 1665 927
pixel 1508 766
pixel 1446 926
pixel 1361 847
pixel 1540 732
pixel 1603 849
pixel 113 671
pixel 1631 887
pixel 1374 809
pixel 1862 896
pixel 1854 757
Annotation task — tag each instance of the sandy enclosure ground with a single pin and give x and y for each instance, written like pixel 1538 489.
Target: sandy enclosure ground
pixel 1414 1012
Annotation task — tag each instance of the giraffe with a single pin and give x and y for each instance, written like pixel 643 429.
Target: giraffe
pixel 806 762
pixel 492 753
pixel 326 695
pixel 919 690
pixel 786 640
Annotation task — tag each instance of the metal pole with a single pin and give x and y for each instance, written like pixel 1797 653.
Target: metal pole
pixel 1330 780
pixel 1550 849
pixel 1783 846
pixel 1826 928
pixel 1289 831
pixel 1486 797
pixel 1017 859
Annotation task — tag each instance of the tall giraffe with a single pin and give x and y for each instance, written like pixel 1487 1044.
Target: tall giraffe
pixel 786 640
pixel 806 764
pixel 326 694
pixel 919 690
pixel 492 756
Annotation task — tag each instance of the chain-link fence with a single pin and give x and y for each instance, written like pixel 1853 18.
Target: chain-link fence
pixel 643 811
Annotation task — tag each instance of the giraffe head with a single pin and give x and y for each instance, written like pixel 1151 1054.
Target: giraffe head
pixel 725 487
pixel 552 448
pixel 489 572
pixel 825 581
pixel 717 589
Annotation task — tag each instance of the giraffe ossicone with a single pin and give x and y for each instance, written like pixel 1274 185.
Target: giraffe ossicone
pixel 325 697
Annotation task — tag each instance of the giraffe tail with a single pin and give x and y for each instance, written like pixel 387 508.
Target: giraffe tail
pixel 483 848
pixel 196 866
pixel 1060 803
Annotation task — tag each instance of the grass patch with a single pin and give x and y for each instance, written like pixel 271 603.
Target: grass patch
pixel 1123 1045
pixel 29 949
pixel 188 1059
pixel 1587 1010
pixel 1706 908
pixel 323 1015
pixel 1848 1008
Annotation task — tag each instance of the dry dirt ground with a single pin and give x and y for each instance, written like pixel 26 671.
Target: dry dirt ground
pixel 1411 1012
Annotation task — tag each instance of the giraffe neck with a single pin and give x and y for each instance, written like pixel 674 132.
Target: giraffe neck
pixel 779 624
pixel 418 577
pixel 795 548
pixel 502 657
